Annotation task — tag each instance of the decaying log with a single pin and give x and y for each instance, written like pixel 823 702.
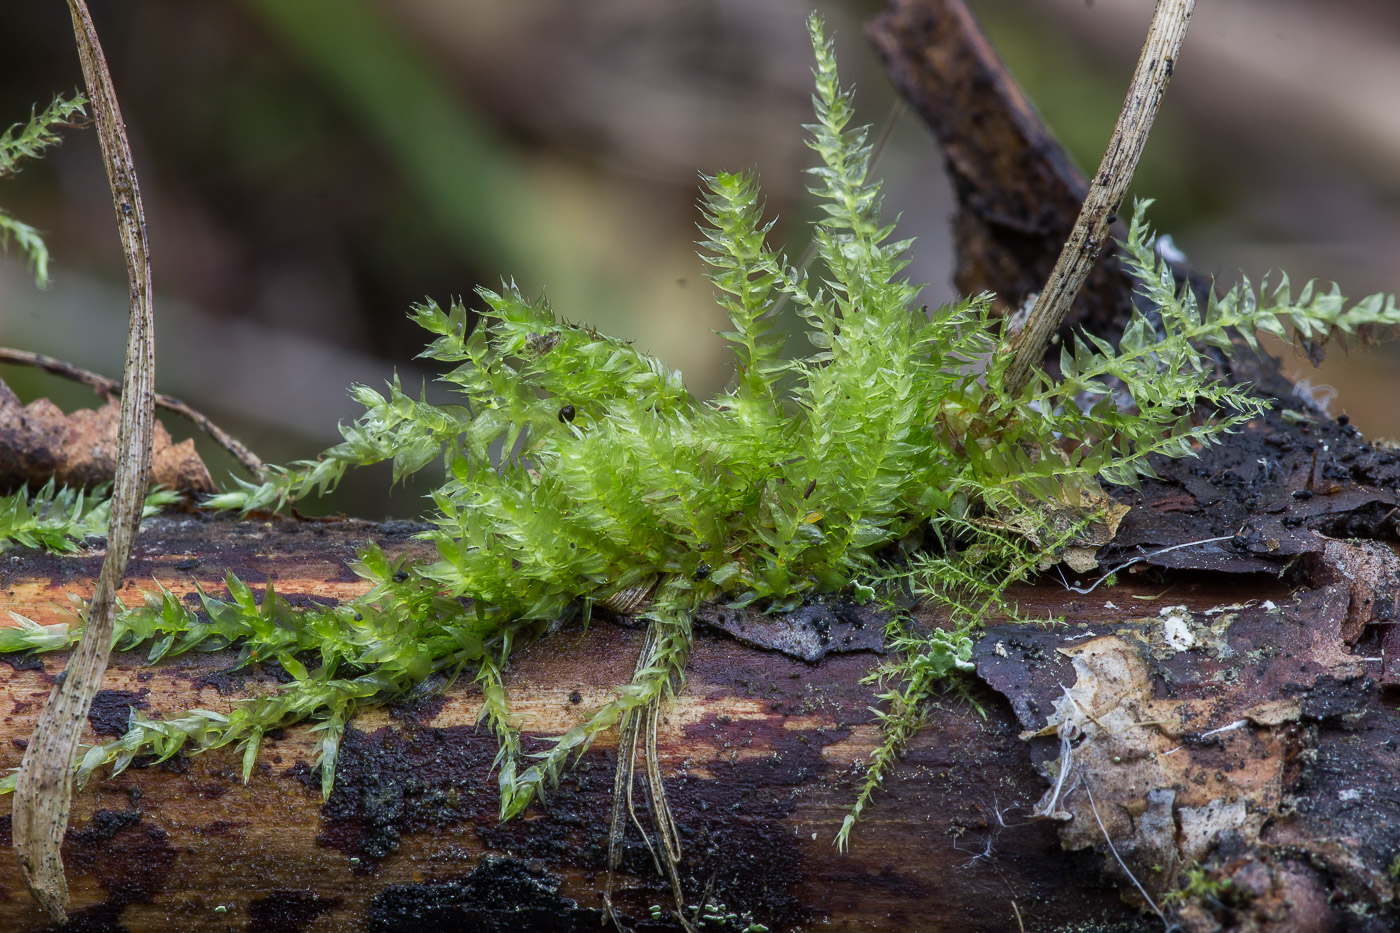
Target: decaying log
pixel 1231 703
pixel 762 751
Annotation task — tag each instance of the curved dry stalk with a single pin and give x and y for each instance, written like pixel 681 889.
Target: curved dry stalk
pixel 623 780
pixel 44 791
pixel 106 386
pixel 1106 191
pixel 634 724
pixel 661 816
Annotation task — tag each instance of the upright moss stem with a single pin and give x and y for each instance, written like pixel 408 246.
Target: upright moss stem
pixel 1106 191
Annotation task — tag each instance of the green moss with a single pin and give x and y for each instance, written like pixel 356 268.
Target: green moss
pixel 62 519
pixel 578 471
pixel 28 141
pixel 1197 883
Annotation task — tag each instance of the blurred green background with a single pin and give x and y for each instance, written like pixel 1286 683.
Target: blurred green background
pixel 312 167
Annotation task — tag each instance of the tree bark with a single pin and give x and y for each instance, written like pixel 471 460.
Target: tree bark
pixel 763 753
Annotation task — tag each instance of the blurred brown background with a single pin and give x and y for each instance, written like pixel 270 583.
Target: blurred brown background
pixel 312 167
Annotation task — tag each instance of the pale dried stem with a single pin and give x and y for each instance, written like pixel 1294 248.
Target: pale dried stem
pixel 640 725
pixel 623 799
pixel 623 779
pixel 661 816
pixel 1106 191
pixel 44 791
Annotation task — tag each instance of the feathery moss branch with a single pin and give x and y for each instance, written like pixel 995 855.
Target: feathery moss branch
pixel 60 520
pixel 29 141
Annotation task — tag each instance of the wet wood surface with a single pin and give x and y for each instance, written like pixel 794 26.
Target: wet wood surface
pixel 762 752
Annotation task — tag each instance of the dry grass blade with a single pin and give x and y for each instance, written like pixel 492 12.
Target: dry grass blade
pixel 1106 192
pixel 661 816
pixel 44 793
pixel 623 801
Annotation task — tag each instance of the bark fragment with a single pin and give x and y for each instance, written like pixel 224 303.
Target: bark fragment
pixel 38 442
pixel 1281 489
pixel 809 633
pixel 1213 734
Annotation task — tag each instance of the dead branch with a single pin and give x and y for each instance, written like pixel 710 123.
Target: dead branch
pixel 1106 191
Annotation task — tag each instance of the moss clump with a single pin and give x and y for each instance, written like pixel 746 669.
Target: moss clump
pixel 580 471
pixel 62 519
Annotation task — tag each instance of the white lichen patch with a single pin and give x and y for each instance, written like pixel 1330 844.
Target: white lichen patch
pixel 1176 628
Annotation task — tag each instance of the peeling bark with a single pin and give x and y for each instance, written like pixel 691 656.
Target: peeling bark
pixel 39 442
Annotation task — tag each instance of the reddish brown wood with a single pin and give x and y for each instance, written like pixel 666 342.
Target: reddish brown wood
pixel 40 443
pixel 762 755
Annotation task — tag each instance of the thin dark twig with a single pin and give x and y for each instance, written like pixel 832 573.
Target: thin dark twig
pixel 1085 590
pixel 111 388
